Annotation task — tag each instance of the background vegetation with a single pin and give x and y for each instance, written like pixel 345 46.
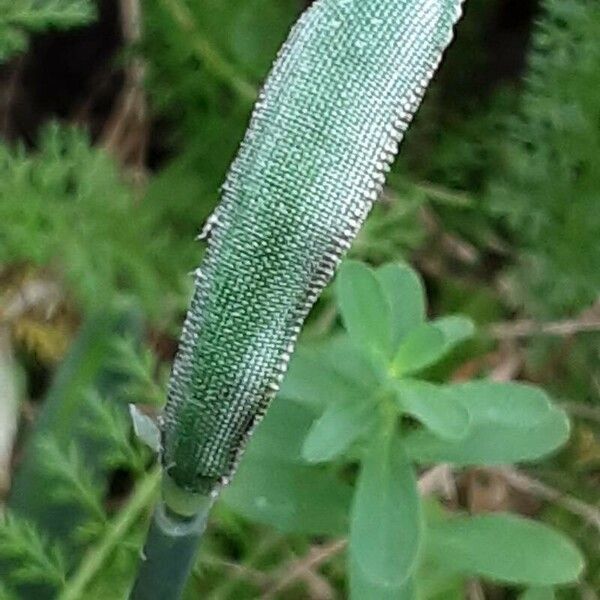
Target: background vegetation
pixel 118 121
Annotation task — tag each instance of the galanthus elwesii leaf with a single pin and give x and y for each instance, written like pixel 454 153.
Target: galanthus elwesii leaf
pixel 339 426
pixel 322 137
pixel 509 422
pixel 386 525
pixel 420 348
pixel 504 547
pixel 406 296
pixel 436 406
pixel 365 309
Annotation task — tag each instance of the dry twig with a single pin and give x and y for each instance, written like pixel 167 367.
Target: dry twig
pixel 292 572
pixel 125 134
pixel 518 329
pixel 527 484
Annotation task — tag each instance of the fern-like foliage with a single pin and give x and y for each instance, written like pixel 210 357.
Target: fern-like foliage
pixel 110 425
pixel 18 18
pixel 205 61
pixel 28 556
pixel 70 212
pixel 145 378
pixel 73 483
pixel 548 189
pixel 35 559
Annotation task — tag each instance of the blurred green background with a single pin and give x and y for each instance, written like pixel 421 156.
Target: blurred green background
pixel 118 121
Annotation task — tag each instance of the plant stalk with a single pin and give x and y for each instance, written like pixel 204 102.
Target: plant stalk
pixel 170 552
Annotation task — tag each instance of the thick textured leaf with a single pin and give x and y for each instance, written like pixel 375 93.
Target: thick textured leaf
pixel 422 347
pixel 314 381
pixel 406 295
pixel 290 497
pixel 510 422
pixel 340 425
pixel 364 308
pixel 386 521
pixel 456 329
pixel 436 406
pixel 538 593
pixel 504 547
pixel 362 588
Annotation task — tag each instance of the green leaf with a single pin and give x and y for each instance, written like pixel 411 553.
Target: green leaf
pixel 290 497
pixel 538 593
pixel 314 381
pixel 456 329
pixel 510 422
pixel 362 588
pixel 364 308
pixel 282 433
pixel 437 407
pixel 421 348
pixel 506 548
pixel 439 583
pixel 386 521
pixel 350 363
pixel 406 296
pixel 274 486
pixel 339 426
pixel 18 17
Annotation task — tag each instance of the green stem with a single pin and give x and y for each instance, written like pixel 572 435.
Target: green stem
pixel 94 561
pixel 169 553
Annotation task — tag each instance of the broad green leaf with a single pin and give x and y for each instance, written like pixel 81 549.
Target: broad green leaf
pixel 362 588
pixel 274 486
pixel 456 329
pixel 437 583
pixel 504 547
pixel 436 406
pixel 538 593
pixel 422 347
pixel 340 425
pixel 364 308
pixel 510 422
pixel 386 521
pixel 281 434
pixel 340 353
pixel 406 295
pixel 290 497
pixel 312 380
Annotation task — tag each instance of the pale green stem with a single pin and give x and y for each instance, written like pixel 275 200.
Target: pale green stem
pixel 170 550
pixel 94 561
